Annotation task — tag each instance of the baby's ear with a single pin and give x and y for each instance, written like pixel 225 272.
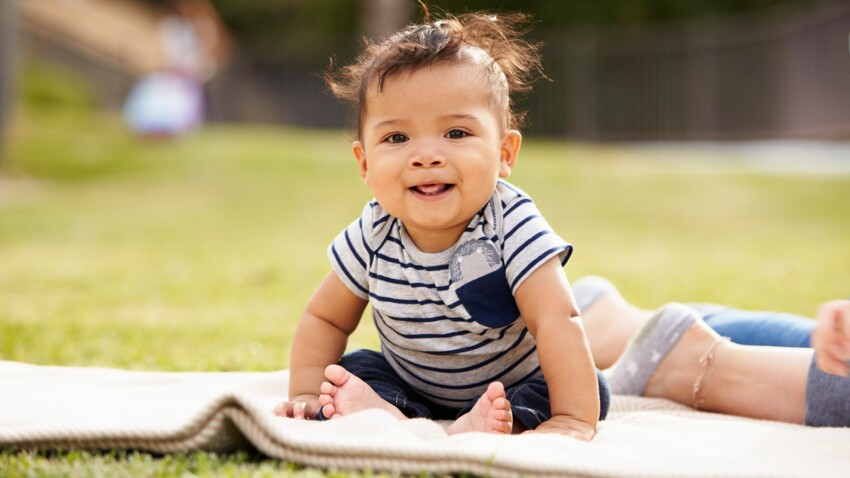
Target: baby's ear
pixel 360 156
pixel 509 152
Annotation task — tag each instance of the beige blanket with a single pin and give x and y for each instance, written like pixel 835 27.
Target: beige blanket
pixel 62 407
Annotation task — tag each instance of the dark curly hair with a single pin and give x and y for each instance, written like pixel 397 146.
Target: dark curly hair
pixel 494 40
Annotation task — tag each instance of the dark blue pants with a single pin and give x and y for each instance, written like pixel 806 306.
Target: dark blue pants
pixel 529 400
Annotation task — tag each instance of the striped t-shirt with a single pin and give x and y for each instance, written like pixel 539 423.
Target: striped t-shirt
pixel 448 322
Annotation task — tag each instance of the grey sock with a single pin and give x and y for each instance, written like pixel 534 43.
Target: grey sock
pixel 634 368
pixel 827 399
pixel 590 288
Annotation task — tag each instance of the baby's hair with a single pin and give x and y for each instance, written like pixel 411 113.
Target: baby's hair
pixel 510 62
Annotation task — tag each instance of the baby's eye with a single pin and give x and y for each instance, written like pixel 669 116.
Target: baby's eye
pixel 457 134
pixel 396 138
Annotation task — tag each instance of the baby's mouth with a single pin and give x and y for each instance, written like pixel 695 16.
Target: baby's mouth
pixel 432 189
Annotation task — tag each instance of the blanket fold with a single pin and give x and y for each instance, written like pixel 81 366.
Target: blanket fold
pixel 47 407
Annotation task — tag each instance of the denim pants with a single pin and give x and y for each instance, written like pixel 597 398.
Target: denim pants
pixel 757 328
pixel 529 400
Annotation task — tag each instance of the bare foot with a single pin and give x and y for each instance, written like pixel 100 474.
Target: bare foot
pixel 491 414
pixel 344 394
pixel 677 373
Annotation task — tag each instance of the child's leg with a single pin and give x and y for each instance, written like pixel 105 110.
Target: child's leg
pixel 491 413
pixel 363 380
pixel 530 402
pixel 345 392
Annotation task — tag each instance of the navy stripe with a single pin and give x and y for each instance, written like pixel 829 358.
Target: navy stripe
pixel 364 242
pixel 380 221
pixel 471 347
pixel 393 300
pixel 455 305
pixel 421 336
pixel 567 256
pixel 525 244
pixel 476 225
pixel 471 367
pixel 345 271
pixel 414 285
pixel 437 318
pixel 441 352
pixel 353 250
pixel 519 225
pixel 542 257
pixel 412 266
pixel 516 205
pixel 381 245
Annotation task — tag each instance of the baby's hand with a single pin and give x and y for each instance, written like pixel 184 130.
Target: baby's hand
pixel 302 407
pixel 831 337
pixel 564 425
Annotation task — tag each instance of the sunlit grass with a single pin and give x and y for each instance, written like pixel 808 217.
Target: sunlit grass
pixel 133 464
pixel 199 254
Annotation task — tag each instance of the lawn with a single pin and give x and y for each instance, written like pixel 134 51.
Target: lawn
pixel 199 254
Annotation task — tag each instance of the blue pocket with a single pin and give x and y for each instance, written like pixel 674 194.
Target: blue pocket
pixel 488 300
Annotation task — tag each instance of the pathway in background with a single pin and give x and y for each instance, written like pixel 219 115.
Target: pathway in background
pixel 773 156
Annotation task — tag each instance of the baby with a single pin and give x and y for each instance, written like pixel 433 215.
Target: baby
pixel 464 276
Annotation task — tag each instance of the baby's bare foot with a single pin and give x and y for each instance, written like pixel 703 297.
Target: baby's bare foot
pixel 344 394
pixel 491 414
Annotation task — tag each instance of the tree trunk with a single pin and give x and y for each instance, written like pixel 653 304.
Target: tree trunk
pixel 8 32
pixel 379 18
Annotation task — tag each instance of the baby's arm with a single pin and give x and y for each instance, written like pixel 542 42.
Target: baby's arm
pixel 831 337
pixel 548 308
pixel 320 339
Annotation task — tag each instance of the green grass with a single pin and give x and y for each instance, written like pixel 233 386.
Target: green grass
pixel 199 254
pixel 131 464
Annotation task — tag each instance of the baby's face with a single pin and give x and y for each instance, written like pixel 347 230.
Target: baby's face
pixel 432 148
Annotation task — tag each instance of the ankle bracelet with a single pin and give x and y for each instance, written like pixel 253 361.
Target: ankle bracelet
pixel 705 361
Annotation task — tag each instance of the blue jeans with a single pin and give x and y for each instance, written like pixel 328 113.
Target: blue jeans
pixel 756 327
pixel 529 400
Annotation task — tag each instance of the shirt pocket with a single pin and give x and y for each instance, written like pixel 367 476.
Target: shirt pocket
pixel 489 300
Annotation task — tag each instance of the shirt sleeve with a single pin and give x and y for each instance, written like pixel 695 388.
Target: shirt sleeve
pixel 528 241
pixel 350 254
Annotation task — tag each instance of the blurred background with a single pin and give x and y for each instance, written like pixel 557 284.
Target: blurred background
pixel 621 70
pixel 172 171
